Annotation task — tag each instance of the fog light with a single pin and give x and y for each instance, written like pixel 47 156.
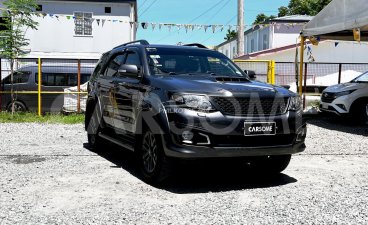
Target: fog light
pixel 187 135
pixel 342 106
pixel 302 134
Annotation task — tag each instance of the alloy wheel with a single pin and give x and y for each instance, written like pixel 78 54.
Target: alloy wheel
pixel 149 152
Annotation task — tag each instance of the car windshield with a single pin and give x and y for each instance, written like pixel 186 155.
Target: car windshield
pixel 362 78
pixel 175 61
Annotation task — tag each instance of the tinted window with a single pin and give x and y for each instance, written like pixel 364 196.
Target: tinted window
pixel 133 59
pixel 192 61
pixel 62 79
pixel 18 78
pixel 114 65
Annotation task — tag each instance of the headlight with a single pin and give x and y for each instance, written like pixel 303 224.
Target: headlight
pixel 339 94
pixel 295 103
pixel 196 102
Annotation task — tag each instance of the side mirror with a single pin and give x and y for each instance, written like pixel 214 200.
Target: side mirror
pixel 251 74
pixel 128 71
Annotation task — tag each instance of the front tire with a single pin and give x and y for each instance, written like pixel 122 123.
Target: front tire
pixel 153 163
pixel 359 112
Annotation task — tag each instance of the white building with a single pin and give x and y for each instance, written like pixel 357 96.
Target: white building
pixel 80 28
pixel 274 33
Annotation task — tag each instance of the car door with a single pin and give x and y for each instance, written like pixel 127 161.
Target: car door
pixel 128 93
pixel 106 85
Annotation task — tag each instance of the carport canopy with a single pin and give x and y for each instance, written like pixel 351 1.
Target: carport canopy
pixel 338 19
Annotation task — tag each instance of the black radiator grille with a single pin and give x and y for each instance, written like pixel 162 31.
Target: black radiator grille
pixel 251 106
pixel 328 97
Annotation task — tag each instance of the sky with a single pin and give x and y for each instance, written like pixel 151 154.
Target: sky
pixel 204 12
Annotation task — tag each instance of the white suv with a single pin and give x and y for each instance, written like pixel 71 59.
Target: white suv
pixel 348 99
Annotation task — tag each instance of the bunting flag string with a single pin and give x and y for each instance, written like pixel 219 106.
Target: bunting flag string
pixel 101 22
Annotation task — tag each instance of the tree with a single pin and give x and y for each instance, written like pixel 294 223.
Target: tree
pixel 283 11
pixel 303 7
pixel 261 18
pixel 18 17
pixel 231 34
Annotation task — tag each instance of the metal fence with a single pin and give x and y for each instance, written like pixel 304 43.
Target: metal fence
pixel 54 85
pixel 45 85
pixel 319 74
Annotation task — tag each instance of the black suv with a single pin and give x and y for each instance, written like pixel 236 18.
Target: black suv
pixel 189 102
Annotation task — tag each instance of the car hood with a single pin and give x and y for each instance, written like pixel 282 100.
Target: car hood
pixel 345 87
pixel 210 85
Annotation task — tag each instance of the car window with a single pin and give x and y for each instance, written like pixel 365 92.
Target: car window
pixel 133 59
pixel 19 77
pixel 114 65
pixel 190 61
pixel 61 79
pixel 362 78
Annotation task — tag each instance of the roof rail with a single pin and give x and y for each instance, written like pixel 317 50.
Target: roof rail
pixel 142 42
pixel 196 45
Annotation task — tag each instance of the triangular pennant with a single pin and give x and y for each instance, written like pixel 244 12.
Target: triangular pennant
pixel 159 26
pixel 186 28
pixel 131 24
pixel 168 27
pixel 221 27
pixel 103 22
pixel 205 28
pixel 356 32
pixel 144 25
pixel 213 28
pixel 336 44
pixel 68 17
pixel 153 25
pixel 192 27
pixel 98 22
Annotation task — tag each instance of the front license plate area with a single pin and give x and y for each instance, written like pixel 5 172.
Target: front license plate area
pixel 259 129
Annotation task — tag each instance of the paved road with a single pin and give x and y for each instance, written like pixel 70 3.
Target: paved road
pixel 49 177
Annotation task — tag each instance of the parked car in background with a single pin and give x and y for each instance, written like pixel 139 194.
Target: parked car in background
pixel 188 102
pixel 348 99
pixel 55 78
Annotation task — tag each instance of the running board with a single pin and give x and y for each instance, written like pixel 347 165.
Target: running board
pixel 117 142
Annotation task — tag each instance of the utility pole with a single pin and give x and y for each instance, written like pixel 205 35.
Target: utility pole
pixel 240 43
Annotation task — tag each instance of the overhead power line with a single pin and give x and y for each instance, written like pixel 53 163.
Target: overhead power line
pixel 208 10
pixel 148 7
pixel 143 3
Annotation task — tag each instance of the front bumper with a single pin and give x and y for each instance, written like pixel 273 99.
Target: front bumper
pixel 219 141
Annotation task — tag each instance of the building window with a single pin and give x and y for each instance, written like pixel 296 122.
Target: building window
pixel 107 9
pixel 83 23
pixel 265 41
pixel 39 8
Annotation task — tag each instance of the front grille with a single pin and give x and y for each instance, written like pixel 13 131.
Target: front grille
pixel 250 106
pixel 253 141
pixel 328 97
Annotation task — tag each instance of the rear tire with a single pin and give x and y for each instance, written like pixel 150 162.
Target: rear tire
pixel 18 107
pixel 153 163
pixel 270 165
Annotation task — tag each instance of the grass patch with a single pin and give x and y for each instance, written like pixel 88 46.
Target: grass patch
pixel 29 117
